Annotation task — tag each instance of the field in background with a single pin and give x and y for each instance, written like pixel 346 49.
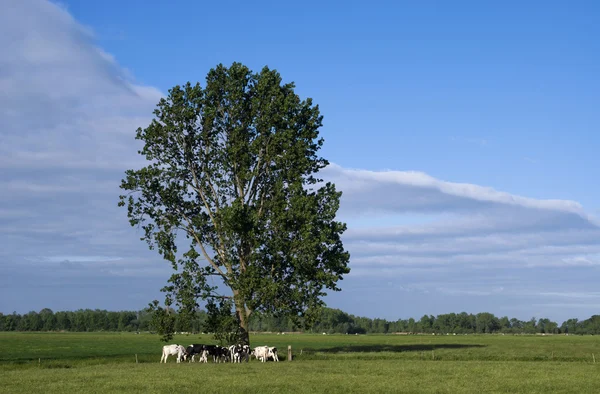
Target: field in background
pixel 101 362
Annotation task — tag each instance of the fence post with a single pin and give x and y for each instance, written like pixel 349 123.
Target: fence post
pixel 289 353
pixel 136 360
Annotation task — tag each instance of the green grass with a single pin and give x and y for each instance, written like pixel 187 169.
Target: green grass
pixel 105 362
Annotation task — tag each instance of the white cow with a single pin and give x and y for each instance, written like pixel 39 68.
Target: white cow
pixel 264 352
pixel 173 350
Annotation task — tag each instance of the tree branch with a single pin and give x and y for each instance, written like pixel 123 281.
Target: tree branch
pixel 215 195
pixel 193 234
pixel 220 296
pixel 220 250
pixel 254 181
pixel 240 189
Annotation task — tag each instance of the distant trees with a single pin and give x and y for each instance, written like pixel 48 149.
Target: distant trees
pixel 80 320
pixel 329 320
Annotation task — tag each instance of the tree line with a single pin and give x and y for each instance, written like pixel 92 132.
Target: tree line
pixel 329 321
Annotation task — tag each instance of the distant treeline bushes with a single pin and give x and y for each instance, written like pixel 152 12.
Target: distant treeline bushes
pixel 331 321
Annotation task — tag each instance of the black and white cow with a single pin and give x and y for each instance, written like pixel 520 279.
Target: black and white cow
pixel 273 354
pixel 239 353
pixel 217 352
pixel 225 354
pixel 233 353
pixel 204 357
pixel 194 350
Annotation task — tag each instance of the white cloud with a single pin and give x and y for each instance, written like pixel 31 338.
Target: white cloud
pixel 68 115
pixel 476 227
pixel 77 259
pixel 570 306
pixel 411 191
pixel 65 103
pixel 570 294
pixel 470 292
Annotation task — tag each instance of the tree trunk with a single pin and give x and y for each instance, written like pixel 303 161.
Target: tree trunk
pixel 243 319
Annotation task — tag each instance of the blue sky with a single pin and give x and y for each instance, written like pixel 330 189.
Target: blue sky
pixel 463 134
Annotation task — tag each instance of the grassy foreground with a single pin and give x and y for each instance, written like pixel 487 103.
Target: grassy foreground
pixel 98 362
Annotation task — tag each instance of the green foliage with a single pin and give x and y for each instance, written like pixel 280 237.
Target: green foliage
pixel 162 321
pixel 222 322
pixel 233 167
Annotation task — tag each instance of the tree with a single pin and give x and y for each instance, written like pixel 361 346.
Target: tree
pixel 426 323
pixel 529 327
pixel 570 326
pixel 48 319
pixel 504 324
pixel 62 320
pixel 487 323
pixel 162 321
pixel 234 168
pixel 516 325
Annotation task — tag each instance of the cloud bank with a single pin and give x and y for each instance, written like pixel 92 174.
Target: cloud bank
pixel 466 224
pixel 467 246
pixel 68 114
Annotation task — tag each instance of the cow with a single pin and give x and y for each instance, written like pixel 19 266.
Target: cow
pixel 193 350
pixel 217 352
pixel 273 354
pixel 261 353
pixel 173 350
pixel 233 353
pixel 203 357
pixel 225 354
pixel 246 353
pixel 239 352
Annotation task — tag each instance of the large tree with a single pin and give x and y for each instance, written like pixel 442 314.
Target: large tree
pixel 233 166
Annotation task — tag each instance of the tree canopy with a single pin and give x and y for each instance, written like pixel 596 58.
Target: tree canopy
pixel 233 167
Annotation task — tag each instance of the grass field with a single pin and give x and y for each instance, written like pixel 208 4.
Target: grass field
pixel 105 362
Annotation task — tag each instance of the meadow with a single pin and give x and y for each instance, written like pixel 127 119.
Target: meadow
pixel 106 362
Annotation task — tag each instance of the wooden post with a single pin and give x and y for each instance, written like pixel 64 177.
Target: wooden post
pixel 40 361
pixel 594 357
pixel 289 353
pixel 136 360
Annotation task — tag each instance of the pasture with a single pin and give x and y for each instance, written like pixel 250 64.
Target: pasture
pixel 105 362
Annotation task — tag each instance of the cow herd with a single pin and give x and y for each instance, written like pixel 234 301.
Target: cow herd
pixel 233 353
